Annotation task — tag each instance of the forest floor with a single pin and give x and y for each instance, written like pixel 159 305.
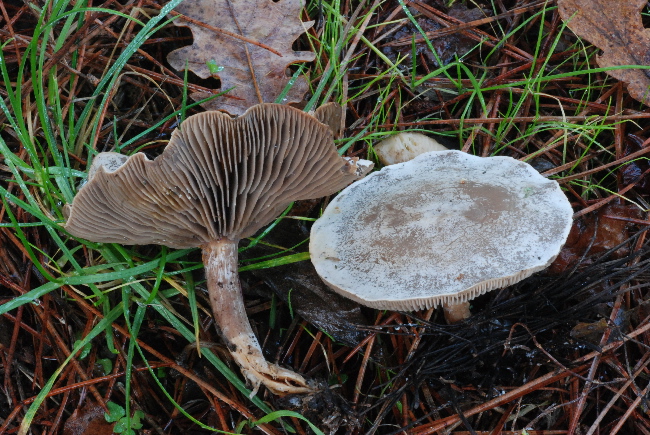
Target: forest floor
pixel 99 337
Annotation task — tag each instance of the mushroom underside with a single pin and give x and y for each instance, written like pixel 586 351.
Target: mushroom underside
pixel 218 180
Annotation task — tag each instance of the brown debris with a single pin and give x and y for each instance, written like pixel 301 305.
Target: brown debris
pixel 447 48
pixel 633 172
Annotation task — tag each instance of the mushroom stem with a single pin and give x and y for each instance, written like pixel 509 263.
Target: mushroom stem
pixel 220 260
pixel 457 312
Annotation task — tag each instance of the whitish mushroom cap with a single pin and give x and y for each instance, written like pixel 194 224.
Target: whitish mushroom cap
pixel 219 177
pixel 405 146
pixel 109 162
pixel 442 228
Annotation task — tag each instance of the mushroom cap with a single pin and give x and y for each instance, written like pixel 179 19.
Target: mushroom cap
pixel 219 177
pixel 109 161
pixel 405 146
pixel 442 228
pixel 331 114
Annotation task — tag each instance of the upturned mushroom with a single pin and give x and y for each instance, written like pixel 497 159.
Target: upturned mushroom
pixel 220 179
pixel 440 229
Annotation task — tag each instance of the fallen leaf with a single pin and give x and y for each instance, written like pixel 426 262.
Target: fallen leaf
pixel 220 55
pixel 88 420
pixel 615 27
pixel 594 234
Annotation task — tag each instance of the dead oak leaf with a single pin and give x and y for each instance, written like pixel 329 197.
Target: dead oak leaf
pixel 274 24
pixel 88 420
pixel 615 27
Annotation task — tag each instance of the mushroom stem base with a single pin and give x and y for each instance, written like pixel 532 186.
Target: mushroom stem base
pixel 455 313
pixel 220 260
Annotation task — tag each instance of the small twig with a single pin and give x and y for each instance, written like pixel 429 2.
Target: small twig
pixel 362 370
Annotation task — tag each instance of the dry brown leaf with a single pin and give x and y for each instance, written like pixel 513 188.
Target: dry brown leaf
pixel 274 24
pixel 615 27
pixel 88 420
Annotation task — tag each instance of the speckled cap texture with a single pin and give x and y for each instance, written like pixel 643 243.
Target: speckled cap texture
pixel 219 177
pixel 442 228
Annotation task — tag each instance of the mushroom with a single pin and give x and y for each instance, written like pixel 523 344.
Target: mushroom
pixel 442 228
pixel 405 146
pixel 331 114
pixel 400 148
pixel 220 179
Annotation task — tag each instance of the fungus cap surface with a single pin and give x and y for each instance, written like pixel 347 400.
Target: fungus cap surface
pixel 219 177
pixel 405 146
pixel 107 161
pixel 442 228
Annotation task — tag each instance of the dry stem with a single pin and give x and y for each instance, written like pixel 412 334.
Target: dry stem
pixel 220 260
